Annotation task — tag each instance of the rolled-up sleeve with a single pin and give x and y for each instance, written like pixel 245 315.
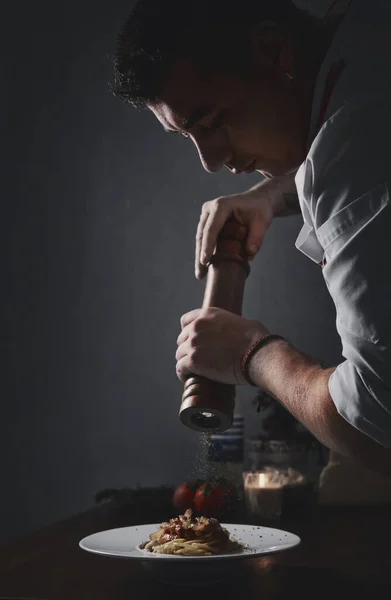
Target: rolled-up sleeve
pixel 351 171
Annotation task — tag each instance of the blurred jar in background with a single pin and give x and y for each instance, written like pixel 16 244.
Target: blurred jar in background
pixel 286 446
pixel 282 441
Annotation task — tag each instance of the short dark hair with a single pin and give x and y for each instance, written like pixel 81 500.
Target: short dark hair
pixel 159 32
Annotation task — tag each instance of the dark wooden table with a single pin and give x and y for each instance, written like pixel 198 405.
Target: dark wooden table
pixel 343 553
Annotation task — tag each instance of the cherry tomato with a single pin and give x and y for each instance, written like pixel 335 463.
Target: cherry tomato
pixel 184 494
pixel 211 498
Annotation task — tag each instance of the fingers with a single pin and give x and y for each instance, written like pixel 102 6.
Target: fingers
pixel 182 369
pixel 213 217
pixel 181 356
pixel 183 336
pixel 214 224
pixel 200 269
pixel 189 317
pixel 182 350
pixel 255 237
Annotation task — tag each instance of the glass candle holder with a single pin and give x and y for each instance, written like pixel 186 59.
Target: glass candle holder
pixel 264 492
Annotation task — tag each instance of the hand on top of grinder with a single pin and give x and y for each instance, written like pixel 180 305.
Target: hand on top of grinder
pixel 213 342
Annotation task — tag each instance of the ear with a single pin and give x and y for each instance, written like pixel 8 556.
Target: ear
pixel 272 47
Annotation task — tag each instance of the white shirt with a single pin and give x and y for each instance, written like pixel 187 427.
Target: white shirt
pixel 343 188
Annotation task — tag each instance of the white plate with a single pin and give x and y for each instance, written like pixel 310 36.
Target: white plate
pixel 125 541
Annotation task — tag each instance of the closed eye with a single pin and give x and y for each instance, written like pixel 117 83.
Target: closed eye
pixel 215 124
pixel 207 127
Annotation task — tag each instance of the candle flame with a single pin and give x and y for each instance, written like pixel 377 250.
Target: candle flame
pixel 261 480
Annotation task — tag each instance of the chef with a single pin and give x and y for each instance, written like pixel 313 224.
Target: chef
pixel 266 87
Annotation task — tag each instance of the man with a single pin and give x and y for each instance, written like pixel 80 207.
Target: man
pixel 264 86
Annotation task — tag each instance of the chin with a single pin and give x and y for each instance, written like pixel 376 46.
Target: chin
pixel 269 170
pixel 277 171
pixel 269 173
pixel 265 173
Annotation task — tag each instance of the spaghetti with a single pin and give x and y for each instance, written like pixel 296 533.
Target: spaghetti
pixel 191 536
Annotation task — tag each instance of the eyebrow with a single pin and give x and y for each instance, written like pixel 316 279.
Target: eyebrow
pixel 189 122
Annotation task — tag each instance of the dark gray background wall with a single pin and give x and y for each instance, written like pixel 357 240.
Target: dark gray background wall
pixel 99 211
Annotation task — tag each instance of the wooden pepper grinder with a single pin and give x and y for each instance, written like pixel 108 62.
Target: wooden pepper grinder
pixel 208 405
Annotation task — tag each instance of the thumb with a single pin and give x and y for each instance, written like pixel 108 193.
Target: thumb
pixel 255 237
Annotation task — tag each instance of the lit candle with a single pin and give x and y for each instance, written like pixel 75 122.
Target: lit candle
pixel 264 491
pixel 263 494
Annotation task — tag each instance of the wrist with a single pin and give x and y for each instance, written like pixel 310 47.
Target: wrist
pixel 267 191
pixel 265 363
pixel 251 367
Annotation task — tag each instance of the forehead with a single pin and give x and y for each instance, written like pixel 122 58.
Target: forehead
pixel 187 89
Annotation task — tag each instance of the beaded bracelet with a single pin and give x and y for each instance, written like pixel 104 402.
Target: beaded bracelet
pixel 251 351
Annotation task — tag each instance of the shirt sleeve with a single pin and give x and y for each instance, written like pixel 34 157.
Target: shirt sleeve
pixel 350 164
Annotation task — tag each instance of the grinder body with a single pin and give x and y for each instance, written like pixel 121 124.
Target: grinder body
pixel 209 405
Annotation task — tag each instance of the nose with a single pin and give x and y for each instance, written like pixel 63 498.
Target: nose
pixel 212 156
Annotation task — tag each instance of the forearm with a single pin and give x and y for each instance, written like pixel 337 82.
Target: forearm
pixel 281 193
pixel 300 384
